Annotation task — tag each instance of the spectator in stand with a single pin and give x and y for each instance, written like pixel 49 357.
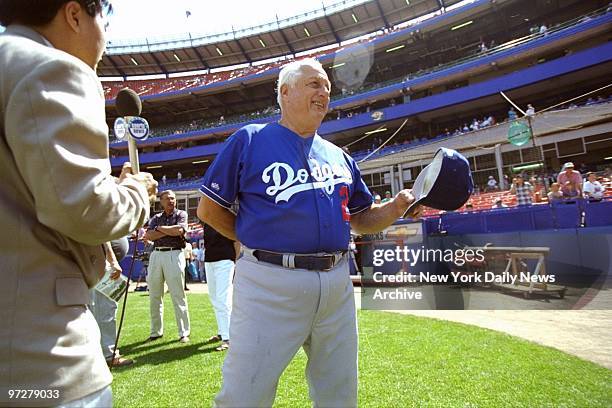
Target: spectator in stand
pixel 523 191
pixel 593 188
pixel 475 125
pixel 498 203
pixel 492 184
pixel 164 179
pixel 387 197
pixel 530 110
pixel 511 114
pixel 555 193
pixel 543 29
pixel 179 176
pixel 485 122
pixel 483 47
pixel 377 199
pixel 570 181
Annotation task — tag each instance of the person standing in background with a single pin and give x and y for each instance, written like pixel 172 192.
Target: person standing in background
pixel 220 257
pixel 202 258
pixel 104 308
pixel 167 264
pixel 188 254
pixel 195 251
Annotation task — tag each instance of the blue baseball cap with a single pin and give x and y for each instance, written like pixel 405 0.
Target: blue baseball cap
pixel 444 184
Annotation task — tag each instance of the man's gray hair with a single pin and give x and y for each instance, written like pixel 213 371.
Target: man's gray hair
pixel 289 73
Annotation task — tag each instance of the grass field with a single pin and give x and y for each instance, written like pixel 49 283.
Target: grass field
pixel 404 361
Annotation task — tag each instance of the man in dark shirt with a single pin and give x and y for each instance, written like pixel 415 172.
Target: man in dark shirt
pixel 220 254
pixel 167 263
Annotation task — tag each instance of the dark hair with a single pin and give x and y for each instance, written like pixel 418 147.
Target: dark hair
pixel 40 13
pixel 166 192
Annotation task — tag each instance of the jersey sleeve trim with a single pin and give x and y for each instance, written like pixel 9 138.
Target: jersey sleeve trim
pixel 356 210
pixel 215 197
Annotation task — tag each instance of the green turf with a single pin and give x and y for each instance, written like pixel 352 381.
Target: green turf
pixel 404 361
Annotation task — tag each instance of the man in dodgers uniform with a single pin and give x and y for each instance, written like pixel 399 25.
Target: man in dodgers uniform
pixel 299 196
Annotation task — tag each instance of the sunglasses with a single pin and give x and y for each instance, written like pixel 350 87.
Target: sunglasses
pixel 104 8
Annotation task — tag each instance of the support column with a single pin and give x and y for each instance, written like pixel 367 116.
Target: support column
pixel 500 167
pixel 400 176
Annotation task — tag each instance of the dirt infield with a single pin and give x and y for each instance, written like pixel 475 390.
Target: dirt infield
pixel 583 333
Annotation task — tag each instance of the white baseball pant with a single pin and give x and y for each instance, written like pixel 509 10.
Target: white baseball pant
pixel 167 266
pixel 219 278
pixel 276 311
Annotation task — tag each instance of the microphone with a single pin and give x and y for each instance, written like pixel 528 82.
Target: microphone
pixel 128 106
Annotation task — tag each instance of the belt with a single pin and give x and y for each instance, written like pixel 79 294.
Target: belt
pixel 164 249
pixel 297 261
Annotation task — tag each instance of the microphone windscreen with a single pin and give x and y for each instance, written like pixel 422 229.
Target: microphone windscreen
pixel 128 103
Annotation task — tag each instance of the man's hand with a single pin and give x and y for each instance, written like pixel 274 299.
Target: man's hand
pixel 403 200
pixel 147 180
pixel 380 216
pixel 116 271
pixel 125 170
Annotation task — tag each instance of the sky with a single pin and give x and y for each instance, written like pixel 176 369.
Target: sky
pixel 134 19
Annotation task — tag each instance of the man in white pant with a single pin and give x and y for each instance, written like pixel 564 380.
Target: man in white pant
pixel 167 263
pixel 220 254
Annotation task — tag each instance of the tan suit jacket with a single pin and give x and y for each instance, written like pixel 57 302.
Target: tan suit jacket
pixel 58 203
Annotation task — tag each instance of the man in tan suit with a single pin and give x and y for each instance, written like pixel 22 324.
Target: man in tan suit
pixel 58 200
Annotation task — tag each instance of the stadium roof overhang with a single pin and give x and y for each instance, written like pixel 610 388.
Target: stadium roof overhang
pixel 320 28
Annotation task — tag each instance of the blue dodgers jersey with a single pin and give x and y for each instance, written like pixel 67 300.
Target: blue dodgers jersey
pixel 295 194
